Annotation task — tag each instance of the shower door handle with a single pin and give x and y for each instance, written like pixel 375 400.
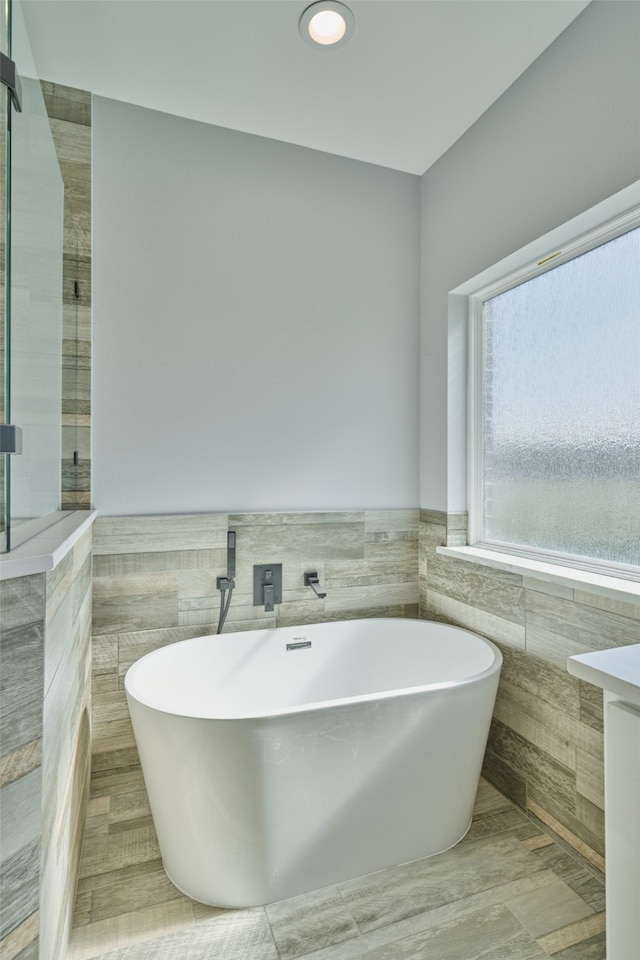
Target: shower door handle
pixel 10 438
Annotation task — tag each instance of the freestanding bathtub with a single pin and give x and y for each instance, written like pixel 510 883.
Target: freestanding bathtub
pixel 279 761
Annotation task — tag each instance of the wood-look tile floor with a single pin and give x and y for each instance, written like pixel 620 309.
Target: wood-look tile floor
pixel 508 891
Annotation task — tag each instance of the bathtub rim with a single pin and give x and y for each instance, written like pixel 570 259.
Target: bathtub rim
pixel 320 705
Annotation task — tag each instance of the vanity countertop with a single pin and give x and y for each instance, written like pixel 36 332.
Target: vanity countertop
pixel 616 670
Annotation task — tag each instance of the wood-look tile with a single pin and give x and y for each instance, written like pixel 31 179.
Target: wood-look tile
pixel 549 909
pixel 458 909
pixel 112 736
pixel 545 586
pixel 168 561
pixel 108 706
pixel 115 761
pixel 22 940
pixel 398 554
pixel 122 535
pixel 156 584
pixel 312 540
pixel 547 724
pixel 134 613
pixel 592 949
pixel 591 817
pixel 22 601
pixel 390 521
pixel 19 886
pixel 82 908
pixel 131 890
pixel 541 679
pixel 551 739
pixel 235 935
pixel 72 140
pixel 550 776
pixel 590 777
pixel 489 933
pixel 489 801
pixel 145 873
pixel 365 597
pixel 502 631
pixel 508 780
pixel 20 805
pixel 538 842
pixel 127 930
pixel 500 822
pixel 591 705
pixel 347 950
pixel 114 783
pixel 554 648
pixel 310 922
pixel 66 103
pixel 132 645
pixel 457 529
pixel 367 572
pixel 501 596
pixel 587 626
pixel 58 583
pixel 21 761
pixel 21 685
pixel 296 519
pixel 578 933
pixel 625 608
pixel 118 850
pixel 433 517
pixel 401 892
pixel 590 847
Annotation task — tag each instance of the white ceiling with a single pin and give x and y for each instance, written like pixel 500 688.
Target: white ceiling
pixel 414 77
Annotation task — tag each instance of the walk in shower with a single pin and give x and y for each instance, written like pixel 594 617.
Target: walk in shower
pixel 38 386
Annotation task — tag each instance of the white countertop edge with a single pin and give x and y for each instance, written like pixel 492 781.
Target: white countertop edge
pixel 616 670
pixel 615 587
pixel 45 551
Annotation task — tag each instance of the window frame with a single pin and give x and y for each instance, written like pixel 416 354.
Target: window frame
pixel 526 267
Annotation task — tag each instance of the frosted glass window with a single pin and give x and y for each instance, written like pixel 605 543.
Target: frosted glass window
pixel 561 408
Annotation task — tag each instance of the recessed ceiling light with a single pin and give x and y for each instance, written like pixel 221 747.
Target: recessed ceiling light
pixel 327 23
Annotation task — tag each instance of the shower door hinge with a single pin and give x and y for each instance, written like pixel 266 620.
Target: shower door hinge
pixel 10 438
pixel 9 77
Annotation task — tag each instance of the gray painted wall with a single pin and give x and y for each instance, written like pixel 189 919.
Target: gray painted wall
pixel 564 137
pixel 256 319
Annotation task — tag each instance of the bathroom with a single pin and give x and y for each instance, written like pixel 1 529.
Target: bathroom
pixel 290 305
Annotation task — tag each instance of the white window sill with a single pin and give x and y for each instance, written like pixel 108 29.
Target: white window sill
pixel 615 587
pixel 45 551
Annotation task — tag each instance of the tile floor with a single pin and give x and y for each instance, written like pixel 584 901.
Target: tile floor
pixel 508 891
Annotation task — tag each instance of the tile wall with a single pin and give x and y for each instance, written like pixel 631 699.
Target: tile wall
pixel 66 744
pixel 69 113
pixel 22 629
pixel 545 748
pixel 44 752
pixel 155 583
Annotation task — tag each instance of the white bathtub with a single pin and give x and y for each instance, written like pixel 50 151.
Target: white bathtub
pixel 273 771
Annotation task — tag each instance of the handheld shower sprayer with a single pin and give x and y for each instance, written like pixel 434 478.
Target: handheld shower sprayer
pixel 226 584
pixel 231 554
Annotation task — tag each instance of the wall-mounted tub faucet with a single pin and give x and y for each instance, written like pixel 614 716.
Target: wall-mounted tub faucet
pixel 311 580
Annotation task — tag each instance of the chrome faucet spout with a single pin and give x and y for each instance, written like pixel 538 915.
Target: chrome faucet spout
pixel 311 580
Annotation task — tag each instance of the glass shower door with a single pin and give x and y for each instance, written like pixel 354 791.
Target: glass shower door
pixel 33 315
pixel 4 412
